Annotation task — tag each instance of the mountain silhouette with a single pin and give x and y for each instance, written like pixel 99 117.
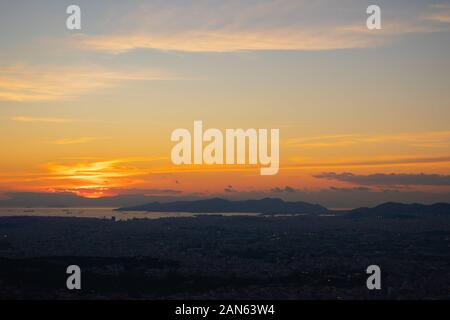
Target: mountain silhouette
pixel 219 205
pixel 394 209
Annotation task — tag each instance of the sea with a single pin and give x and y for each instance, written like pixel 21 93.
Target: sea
pixel 104 213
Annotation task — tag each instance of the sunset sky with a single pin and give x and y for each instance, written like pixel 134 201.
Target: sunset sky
pixel 361 113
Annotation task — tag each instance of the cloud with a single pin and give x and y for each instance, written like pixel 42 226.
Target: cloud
pixel 76 140
pixel 373 163
pixel 86 176
pixel 440 13
pixel 440 17
pixel 229 189
pixel 41 120
pixel 96 192
pixel 95 174
pixel 229 41
pixel 230 26
pixel 285 189
pixel 393 179
pixel 31 83
pixel 430 139
pixel 360 189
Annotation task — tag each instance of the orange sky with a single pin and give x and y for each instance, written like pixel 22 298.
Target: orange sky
pixel 91 112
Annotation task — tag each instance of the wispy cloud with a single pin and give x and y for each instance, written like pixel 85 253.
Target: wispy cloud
pixel 423 139
pixel 440 17
pixel 393 179
pixel 230 41
pixel 439 13
pixel 200 26
pixel 31 83
pixel 41 120
pixel 385 162
pixel 95 178
pixel 85 173
pixel 96 192
pixel 355 189
pixel 99 171
pixel 76 140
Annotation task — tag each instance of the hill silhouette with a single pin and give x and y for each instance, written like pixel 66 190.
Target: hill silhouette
pixel 219 205
pixel 394 209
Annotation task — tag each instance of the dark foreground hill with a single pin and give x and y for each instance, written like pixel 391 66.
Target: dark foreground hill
pixel 233 258
pixel 218 205
pixel 393 210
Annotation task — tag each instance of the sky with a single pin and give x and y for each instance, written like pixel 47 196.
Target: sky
pixel 363 114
